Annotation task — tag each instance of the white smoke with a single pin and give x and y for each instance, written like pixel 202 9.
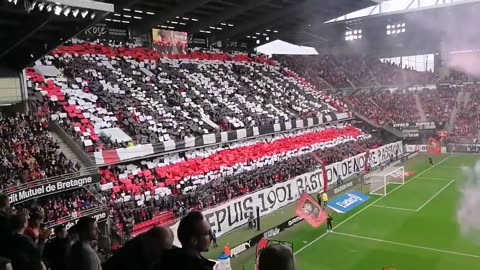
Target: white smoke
pixel 468 214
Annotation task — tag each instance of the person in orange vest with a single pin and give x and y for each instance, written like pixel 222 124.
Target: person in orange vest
pixel 227 251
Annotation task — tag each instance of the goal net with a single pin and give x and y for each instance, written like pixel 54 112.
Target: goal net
pixel 379 180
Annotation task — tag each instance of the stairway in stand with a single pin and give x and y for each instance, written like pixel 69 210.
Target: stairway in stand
pixel 66 150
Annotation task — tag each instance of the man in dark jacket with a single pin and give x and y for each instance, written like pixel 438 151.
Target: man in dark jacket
pixel 194 235
pixel 56 251
pixel 82 256
pixel 21 250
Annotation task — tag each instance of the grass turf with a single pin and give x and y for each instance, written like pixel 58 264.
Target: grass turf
pixel 412 227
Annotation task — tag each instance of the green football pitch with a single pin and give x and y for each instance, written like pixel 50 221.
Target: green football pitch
pixel 413 227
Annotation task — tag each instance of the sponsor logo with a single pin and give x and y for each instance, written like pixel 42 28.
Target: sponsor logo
pixel 99 217
pixel 342 187
pixel 348 202
pixel 240 248
pixel 271 233
pixel 294 221
pixel 51 188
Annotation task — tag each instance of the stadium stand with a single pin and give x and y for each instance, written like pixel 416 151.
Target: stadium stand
pixel 157 99
pixel 28 151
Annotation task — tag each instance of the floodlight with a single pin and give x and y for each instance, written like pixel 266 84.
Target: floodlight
pixel 41 6
pixel 258 41
pixel 57 10
pixel 49 7
pixel 267 38
pixel 84 13
pixel 66 11
pixel 75 12
pixel 92 16
pixel 389 26
pixel 389 32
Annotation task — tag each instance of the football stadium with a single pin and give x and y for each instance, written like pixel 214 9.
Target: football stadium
pixel 239 134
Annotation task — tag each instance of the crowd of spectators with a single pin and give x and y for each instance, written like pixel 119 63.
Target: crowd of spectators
pixel 160 98
pixel 321 71
pixel 145 182
pixel 438 104
pixel 28 152
pixel 467 123
pixel 61 207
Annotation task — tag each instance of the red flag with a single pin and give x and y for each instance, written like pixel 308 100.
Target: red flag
pixel 434 146
pixel 324 172
pixel 309 209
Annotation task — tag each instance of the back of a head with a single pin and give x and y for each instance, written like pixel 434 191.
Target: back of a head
pixel 276 257
pixel 83 227
pixel 187 229
pixel 5 264
pixel 18 221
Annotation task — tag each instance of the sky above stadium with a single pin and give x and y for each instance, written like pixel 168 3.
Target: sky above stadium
pixel 390 6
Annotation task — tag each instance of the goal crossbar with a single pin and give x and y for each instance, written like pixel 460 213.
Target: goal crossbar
pixel 379 180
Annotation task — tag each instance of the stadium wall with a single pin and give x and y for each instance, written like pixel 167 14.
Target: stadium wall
pixel 235 213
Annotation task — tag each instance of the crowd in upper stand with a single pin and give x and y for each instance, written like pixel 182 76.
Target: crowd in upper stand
pixel 158 99
pixel 354 71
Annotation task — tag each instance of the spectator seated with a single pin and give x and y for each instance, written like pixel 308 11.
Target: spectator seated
pixel 439 103
pixel 28 152
pixel 62 207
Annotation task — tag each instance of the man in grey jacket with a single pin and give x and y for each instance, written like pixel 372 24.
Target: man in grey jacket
pixel 82 256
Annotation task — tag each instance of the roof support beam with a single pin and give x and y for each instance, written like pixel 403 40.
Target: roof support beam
pixel 224 16
pixel 29 29
pixel 183 7
pixel 285 12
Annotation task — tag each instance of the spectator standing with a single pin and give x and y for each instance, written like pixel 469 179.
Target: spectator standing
pixel 73 234
pixel 194 235
pixel 82 256
pixel 21 250
pixel 56 251
pixel 5 229
pixel 214 238
pixel 142 251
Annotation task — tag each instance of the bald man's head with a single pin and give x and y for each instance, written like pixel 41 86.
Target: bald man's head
pixel 276 257
pixel 156 240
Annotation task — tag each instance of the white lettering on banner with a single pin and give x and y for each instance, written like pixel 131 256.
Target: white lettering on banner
pixel 240 248
pixel 342 187
pixel 98 217
pixel 416 147
pixel 235 213
pixel 271 233
pixel 294 221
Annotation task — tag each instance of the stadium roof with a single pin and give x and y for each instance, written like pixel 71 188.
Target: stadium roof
pixel 31 28
pixel 223 20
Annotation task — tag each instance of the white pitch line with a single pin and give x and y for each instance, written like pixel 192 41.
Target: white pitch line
pixel 366 207
pixel 435 195
pixel 395 208
pixel 408 245
pixel 436 178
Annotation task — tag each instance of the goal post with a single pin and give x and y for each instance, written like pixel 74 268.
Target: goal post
pixel 378 181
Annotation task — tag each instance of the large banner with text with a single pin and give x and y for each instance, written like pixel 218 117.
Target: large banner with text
pixel 43 189
pixel 235 213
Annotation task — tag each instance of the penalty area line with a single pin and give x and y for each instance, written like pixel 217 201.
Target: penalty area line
pixel 408 245
pixel 395 208
pixel 435 195
pixel 371 204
